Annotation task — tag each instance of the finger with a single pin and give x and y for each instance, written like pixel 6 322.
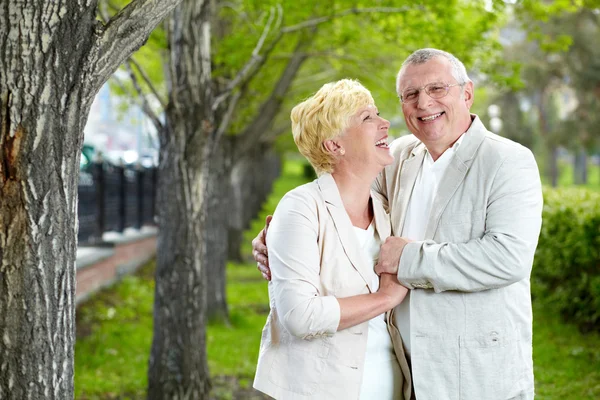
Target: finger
pixel 264 231
pixel 266 277
pixel 264 270
pixel 258 245
pixel 261 258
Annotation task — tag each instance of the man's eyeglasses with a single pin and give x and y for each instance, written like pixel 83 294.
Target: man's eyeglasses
pixel 434 90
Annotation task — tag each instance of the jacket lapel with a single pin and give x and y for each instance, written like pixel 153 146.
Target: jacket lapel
pixel 455 174
pixel 408 176
pixel 382 220
pixel 344 228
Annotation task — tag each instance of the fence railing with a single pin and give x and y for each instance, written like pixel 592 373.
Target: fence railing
pixel 112 198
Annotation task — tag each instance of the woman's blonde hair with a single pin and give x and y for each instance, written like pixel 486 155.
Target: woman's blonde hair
pixel 325 116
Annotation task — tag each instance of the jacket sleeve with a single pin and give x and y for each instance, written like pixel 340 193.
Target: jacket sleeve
pixel 294 259
pixel 503 255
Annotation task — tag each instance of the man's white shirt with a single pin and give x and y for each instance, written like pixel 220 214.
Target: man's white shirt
pixel 428 179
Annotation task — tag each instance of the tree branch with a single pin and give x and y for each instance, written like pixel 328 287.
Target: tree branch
pixel 254 59
pixel 126 32
pixel 226 120
pixel 257 60
pixel 148 82
pixel 352 11
pixel 270 107
pixel 143 100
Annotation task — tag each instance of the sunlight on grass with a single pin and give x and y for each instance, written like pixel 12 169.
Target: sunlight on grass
pixel 114 333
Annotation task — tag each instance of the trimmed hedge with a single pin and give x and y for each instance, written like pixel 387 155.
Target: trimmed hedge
pixel 566 270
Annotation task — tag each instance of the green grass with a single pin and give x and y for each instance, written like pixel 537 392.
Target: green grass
pixel 567 363
pixel 115 333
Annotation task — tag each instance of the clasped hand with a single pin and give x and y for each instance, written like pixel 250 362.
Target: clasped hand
pixel 389 255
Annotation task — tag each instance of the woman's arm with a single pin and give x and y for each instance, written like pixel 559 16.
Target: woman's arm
pixel 355 310
pixel 295 261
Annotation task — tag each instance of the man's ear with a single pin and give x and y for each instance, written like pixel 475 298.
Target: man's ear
pixel 333 147
pixel 469 94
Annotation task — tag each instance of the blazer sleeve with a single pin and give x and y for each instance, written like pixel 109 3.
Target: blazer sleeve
pixel 294 259
pixel 504 255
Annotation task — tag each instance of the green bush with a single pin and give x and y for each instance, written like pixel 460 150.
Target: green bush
pixel 566 271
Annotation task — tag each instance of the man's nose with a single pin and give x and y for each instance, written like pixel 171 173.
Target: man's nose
pixel 423 101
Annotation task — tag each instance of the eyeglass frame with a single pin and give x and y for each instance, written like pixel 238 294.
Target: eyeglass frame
pixel 419 89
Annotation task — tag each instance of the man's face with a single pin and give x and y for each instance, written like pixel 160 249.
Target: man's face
pixel 436 122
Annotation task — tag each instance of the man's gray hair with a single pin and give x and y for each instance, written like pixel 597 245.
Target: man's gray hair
pixel 421 56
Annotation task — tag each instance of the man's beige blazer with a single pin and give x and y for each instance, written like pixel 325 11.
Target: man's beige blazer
pixel 315 257
pixel 470 307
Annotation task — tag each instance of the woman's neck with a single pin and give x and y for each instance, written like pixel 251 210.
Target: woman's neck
pixel 355 191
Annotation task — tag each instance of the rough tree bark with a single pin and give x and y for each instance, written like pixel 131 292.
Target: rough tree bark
pixel 177 367
pixel 219 207
pixel 54 57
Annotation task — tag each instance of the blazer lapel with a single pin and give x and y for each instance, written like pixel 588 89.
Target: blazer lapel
pixel 407 178
pixel 382 220
pixel 455 174
pixel 344 228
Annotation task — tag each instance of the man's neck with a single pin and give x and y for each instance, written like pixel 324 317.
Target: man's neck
pixel 437 149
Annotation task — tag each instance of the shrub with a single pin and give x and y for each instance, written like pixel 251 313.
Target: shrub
pixel 566 271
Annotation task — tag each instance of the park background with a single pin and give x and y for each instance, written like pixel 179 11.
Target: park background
pixel 206 120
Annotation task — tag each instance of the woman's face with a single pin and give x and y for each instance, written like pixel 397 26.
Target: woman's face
pixel 365 140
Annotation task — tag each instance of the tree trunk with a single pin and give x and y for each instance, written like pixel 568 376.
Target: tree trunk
pixel 177 368
pixel 252 180
pixel 219 208
pixel 54 57
pixel 553 171
pixel 580 167
pixel 43 109
pixel 236 216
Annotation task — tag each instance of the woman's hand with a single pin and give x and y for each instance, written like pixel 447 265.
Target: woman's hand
pixel 391 287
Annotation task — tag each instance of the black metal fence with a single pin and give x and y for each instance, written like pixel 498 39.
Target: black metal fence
pixel 112 198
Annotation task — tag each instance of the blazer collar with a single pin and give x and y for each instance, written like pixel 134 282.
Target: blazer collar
pixel 407 177
pixel 456 172
pixel 345 229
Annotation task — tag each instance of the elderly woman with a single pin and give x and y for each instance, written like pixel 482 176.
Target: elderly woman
pixel 329 333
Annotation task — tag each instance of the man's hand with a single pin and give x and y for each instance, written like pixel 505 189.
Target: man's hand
pixel 259 250
pixel 389 255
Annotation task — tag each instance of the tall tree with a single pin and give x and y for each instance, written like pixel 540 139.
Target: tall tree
pixel 54 57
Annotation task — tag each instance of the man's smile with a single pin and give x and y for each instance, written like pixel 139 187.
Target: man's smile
pixel 430 117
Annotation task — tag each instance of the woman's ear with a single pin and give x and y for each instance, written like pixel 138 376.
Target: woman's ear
pixel 334 148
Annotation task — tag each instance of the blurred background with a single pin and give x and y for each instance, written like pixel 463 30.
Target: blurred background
pixel 536 69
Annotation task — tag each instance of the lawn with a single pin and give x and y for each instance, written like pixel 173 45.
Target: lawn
pixel 114 333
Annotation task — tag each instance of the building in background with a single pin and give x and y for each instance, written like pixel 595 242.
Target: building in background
pixel 119 130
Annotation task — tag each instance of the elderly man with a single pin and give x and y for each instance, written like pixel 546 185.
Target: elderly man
pixel 465 206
